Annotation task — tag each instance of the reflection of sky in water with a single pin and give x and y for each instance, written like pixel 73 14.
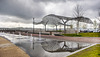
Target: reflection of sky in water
pixel 26 43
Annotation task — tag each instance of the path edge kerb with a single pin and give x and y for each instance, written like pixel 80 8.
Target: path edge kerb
pixel 81 49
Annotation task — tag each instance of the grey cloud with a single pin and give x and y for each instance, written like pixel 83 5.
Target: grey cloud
pixel 91 5
pixel 21 8
pixel 57 1
pixel 27 9
pixel 45 1
pixel 14 19
pixel 95 5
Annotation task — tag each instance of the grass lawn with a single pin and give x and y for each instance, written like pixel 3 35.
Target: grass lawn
pixel 93 51
pixel 83 35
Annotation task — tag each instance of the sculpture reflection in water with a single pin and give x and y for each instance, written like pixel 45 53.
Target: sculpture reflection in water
pixel 61 46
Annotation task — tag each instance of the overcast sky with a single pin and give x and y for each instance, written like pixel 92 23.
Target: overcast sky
pixel 15 13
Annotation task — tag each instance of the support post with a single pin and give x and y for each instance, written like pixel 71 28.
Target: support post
pixel 33 25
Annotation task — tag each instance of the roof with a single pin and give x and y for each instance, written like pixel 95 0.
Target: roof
pixel 83 19
pixel 80 19
pixel 60 17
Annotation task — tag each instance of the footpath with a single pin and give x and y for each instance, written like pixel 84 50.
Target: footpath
pixel 8 49
pixel 65 38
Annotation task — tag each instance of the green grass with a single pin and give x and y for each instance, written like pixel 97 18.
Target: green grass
pixel 72 35
pixel 93 51
pixel 83 35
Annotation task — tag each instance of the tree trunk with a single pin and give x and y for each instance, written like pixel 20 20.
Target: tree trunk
pixel 45 27
pixel 77 27
pixel 65 45
pixel 78 45
pixel 56 27
pixel 60 28
pixel 64 27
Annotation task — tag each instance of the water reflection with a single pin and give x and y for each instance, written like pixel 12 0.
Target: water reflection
pixel 61 46
pixel 36 47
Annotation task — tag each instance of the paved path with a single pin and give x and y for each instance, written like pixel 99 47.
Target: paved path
pixel 75 39
pixel 8 49
pixel 65 38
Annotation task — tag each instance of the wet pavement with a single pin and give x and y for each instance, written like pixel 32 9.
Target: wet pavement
pixel 42 47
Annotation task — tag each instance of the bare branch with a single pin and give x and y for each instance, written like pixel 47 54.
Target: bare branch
pixel 78 11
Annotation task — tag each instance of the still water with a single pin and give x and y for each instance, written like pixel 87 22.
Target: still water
pixel 41 47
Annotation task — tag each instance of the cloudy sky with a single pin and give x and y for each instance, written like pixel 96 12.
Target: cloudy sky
pixel 14 13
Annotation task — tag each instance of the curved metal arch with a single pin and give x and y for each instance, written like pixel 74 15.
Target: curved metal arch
pixel 83 19
pixel 60 17
pixel 80 19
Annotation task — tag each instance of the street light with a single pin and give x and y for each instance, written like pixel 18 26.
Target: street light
pixel 33 33
pixel 33 25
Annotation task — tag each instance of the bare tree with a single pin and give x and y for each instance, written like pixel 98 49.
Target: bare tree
pixel 78 12
pixel 99 17
pixel 95 24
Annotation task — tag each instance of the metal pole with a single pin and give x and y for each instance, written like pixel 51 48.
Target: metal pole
pixel 33 25
pixel 33 33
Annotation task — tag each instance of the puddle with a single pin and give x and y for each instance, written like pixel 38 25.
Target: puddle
pixel 40 47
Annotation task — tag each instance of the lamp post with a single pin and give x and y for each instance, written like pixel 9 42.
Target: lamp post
pixel 33 25
pixel 33 33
